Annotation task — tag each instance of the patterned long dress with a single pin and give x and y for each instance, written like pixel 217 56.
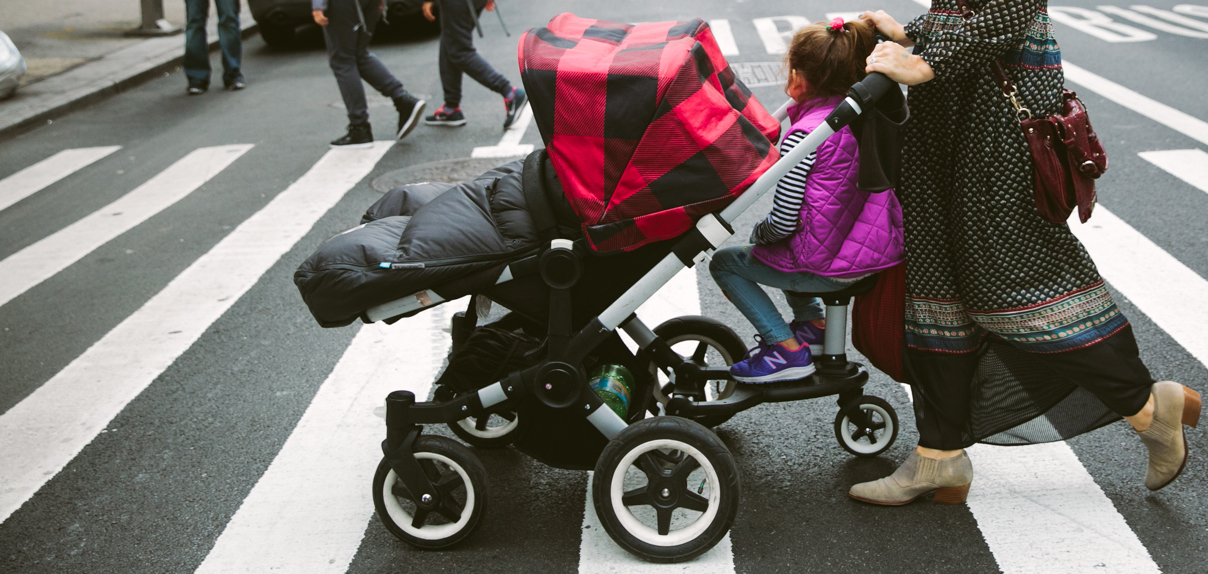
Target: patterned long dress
pixel 1012 337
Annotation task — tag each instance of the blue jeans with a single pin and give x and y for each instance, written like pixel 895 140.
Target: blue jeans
pixel 739 274
pixel 197 46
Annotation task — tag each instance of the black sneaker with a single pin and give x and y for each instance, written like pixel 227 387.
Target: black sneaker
pixel 409 108
pixel 197 89
pixel 444 117
pixel 514 104
pixel 235 85
pixel 358 137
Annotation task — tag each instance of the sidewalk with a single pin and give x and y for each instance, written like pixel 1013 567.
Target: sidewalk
pixel 77 54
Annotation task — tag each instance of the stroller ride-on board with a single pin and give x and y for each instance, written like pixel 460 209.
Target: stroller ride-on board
pixel 665 487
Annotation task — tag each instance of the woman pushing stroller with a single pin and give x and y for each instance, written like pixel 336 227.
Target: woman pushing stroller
pixel 823 233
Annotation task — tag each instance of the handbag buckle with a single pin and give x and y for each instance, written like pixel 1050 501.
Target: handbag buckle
pixel 1021 112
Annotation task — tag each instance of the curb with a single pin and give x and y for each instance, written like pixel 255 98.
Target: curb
pixel 59 105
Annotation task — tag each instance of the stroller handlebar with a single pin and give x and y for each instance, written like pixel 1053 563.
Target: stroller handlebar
pixel 863 95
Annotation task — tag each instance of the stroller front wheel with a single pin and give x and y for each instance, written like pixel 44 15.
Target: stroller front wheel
pixel 666 489
pixel 868 428
pixel 461 482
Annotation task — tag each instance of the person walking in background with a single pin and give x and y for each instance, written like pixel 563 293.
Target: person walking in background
pixel 197 45
pixel 348 26
pixel 458 56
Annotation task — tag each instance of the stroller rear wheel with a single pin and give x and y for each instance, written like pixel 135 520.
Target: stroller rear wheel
pixel 461 484
pixel 708 343
pixel 666 489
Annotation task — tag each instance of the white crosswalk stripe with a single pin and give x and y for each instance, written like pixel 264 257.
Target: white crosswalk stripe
pixel 1189 165
pixel 40 175
pixel 42 260
pixel 52 425
pixel 309 510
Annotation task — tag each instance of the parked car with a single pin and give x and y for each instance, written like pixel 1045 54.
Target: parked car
pixel 12 67
pixel 279 19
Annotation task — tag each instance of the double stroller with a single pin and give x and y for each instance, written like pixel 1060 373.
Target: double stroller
pixel 653 148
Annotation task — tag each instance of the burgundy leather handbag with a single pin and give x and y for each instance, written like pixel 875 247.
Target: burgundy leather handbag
pixel 1067 154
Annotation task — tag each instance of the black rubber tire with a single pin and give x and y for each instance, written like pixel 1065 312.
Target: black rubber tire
pixel 696 326
pixel 278 35
pixel 461 457
pixel 692 434
pixel 481 441
pixel 884 411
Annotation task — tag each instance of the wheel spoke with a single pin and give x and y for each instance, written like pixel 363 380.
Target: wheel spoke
pixel 448 508
pixel 878 426
pixel 664 520
pixel 508 415
pixel 699 354
pixel 650 466
pixel 421 515
pixel 872 437
pixel 480 423
pixel 399 490
pixel 637 497
pixel 693 501
pixel 685 467
pixel 429 468
pixel 447 480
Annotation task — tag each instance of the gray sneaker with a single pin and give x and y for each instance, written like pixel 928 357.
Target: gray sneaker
pixel 409 109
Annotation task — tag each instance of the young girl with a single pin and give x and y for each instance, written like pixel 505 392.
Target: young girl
pixel 823 233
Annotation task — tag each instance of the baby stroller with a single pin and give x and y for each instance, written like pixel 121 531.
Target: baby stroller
pixel 572 258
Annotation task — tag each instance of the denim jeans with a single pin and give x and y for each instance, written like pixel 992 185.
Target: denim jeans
pixel 458 56
pixel 197 46
pixel 350 59
pixel 739 274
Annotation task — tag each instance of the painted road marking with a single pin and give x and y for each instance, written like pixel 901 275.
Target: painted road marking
pixel 309 510
pixel 1017 488
pixel 1175 17
pixel 1168 292
pixel 846 16
pixel 724 36
pixel 598 554
pixel 1098 25
pixel 776 41
pixel 509 144
pixel 42 433
pixel 1185 124
pixel 38 176
pixel 1152 23
pixel 1189 165
pixel 42 260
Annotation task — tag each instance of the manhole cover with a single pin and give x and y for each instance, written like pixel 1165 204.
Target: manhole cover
pixel 377 101
pixel 448 171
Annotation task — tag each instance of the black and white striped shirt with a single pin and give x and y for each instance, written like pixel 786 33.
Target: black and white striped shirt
pixel 785 217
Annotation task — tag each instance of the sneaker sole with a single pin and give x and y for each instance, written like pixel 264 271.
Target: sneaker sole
pixel 411 121
pixel 519 110
pixel 352 146
pixel 792 374
pixel 454 124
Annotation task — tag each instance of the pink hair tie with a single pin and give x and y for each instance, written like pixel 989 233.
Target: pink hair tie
pixel 836 25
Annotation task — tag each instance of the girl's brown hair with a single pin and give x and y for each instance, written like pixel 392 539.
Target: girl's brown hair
pixel 830 61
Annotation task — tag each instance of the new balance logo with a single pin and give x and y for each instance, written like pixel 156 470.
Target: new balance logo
pixel 774 360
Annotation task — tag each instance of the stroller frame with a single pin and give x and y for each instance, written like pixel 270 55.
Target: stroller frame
pixel 559 382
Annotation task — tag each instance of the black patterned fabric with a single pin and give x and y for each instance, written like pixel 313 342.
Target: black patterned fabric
pixel 990 284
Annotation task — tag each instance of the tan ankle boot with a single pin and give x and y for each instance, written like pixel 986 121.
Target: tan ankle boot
pixel 948 478
pixel 1174 406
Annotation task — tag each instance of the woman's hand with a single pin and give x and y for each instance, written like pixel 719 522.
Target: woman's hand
pixel 426 8
pixel 319 16
pixel 888 26
pixel 899 64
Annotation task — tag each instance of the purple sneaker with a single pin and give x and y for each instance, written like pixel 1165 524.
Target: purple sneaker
pixel 773 364
pixel 809 334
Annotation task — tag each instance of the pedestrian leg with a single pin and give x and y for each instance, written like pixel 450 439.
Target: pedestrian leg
pixel 341 52
pixel 369 66
pixel 197 47
pixel 456 29
pixel 231 40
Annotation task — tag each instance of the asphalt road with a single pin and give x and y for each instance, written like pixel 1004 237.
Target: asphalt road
pixel 160 482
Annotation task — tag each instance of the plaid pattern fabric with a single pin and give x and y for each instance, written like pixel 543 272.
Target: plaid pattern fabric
pixel 646 126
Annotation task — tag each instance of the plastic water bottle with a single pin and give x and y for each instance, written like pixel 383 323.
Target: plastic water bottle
pixel 613 383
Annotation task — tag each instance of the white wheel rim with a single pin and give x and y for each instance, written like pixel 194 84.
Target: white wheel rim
pixel 646 534
pixel 489 432
pixel 725 388
pixel 401 518
pixel 867 447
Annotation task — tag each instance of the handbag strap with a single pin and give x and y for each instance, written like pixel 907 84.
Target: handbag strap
pixel 1005 84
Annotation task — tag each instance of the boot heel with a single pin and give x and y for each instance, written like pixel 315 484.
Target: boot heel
pixel 1191 407
pixel 951 494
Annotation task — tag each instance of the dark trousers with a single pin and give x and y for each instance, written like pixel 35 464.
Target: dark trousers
pixel 197 46
pixel 350 59
pixel 458 56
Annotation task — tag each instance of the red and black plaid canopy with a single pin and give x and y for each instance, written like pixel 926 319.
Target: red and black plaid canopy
pixel 646 125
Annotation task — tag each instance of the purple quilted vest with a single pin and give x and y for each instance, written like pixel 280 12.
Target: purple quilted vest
pixel 844 232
